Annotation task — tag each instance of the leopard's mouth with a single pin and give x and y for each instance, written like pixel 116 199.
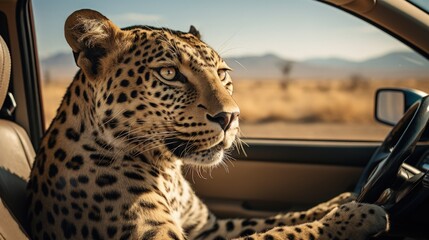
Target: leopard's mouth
pixel 183 148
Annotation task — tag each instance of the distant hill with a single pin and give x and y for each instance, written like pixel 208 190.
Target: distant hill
pixel 394 65
pixel 58 67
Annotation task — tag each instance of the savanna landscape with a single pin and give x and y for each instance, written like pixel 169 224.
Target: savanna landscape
pixel 295 108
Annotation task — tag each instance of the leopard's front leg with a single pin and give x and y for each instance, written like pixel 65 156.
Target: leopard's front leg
pixel 232 228
pixel 349 221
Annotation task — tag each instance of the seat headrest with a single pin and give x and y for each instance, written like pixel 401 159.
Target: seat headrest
pixel 5 66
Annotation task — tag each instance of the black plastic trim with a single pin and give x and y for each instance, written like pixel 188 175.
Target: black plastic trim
pixel 332 153
pixel 339 153
pixel 30 71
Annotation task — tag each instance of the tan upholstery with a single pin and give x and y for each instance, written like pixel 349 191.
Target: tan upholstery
pixel 16 158
pixel 5 66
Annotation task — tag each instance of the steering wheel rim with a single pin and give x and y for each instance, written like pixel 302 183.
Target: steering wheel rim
pixel 395 149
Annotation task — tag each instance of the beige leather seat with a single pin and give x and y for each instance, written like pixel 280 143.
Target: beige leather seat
pixel 16 159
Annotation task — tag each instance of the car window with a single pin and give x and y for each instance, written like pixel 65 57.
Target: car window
pixel 422 4
pixel 301 69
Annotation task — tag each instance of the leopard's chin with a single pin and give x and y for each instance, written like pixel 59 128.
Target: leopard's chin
pixel 206 158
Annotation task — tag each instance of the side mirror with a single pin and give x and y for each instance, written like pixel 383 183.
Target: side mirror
pixel 392 103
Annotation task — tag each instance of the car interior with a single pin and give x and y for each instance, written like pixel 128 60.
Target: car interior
pixel 272 175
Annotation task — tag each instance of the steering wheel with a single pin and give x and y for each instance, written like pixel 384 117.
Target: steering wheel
pixel 399 144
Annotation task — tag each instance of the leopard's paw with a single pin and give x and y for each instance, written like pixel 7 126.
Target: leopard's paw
pixel 356 220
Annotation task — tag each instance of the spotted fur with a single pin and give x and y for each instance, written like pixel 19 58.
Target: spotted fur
pixel 144 102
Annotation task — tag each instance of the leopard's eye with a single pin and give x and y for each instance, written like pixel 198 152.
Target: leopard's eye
pixel 167 73
pixel 222 73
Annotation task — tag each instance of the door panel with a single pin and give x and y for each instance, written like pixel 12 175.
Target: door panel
pixel 249 186
pixel 282 175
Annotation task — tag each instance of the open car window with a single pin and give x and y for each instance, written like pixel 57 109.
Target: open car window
pixel 301 69
pixel 422 4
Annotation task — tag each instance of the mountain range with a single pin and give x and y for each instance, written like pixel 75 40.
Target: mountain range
pixel 394 65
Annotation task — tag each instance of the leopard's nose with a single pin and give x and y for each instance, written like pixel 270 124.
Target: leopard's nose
pixel 224 119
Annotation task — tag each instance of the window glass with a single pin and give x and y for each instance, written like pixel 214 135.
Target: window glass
pixel 302 69
pixel 422 4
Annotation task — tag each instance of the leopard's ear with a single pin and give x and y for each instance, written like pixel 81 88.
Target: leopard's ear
pixel 90 35
pixel 195 32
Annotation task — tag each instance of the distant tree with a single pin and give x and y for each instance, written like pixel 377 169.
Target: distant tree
pixel 47 77
pixel 286 69
pixel 356 81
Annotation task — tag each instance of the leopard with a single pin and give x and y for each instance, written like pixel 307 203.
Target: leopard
pixel 144 103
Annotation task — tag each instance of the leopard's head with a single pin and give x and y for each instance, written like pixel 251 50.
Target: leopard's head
pixel 156 90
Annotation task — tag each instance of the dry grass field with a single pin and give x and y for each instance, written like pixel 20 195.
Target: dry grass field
pixel 300 109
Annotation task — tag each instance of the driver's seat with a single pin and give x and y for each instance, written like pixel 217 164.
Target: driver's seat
pixel 16 158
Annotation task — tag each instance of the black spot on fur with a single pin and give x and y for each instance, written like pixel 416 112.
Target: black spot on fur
pixel 139 81
pixel 72 134
pixel 75 163
pixel 173 235
pixel 40 161
pixel 83 179
pixel 248 222
pixel 147 205
pixel 75 109
pixel 77 91
pixel 101 160
pixel 73 182
pixel 128 113
pixel 50 218
pixel 52 138
pixel 122 98
pixel 109 99
pixel 247 232
pixel 133 94
pixel 38 207
pixel 118 72
pixel 98 197
pixel 60 154
pixel 229 226
pixel 53 170
pixel 131 73
pixel 124 83
pixel 111 231
pixel 62 117
pixel 137 190
pixel 69 229
pixel 61 183
pixel 94 216
pixel 105 180
pixel 134 175
pixel 149 235
pixel 88 148
pixel 270 221
pixel 141 107
pixel 112 195
pixel 45 189
pixel 84 231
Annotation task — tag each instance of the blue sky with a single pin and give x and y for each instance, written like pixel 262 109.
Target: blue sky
pixel 294 29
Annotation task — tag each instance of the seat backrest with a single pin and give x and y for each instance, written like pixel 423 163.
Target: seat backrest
pixel 16 159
